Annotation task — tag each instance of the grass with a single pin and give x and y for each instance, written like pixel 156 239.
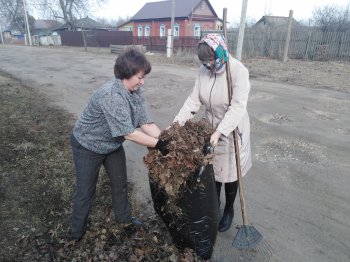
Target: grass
pixel 37 183
pixel 37 175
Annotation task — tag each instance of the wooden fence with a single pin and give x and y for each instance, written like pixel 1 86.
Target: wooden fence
pixel 185 43
pixel 313 45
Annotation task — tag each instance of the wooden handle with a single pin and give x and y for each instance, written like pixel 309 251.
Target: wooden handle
pixel 235 132
pixel 239 178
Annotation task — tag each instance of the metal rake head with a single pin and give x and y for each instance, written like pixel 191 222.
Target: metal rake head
pixel 247 237
pixel 251 245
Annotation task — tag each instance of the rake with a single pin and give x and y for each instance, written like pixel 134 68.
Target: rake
pixel 248 239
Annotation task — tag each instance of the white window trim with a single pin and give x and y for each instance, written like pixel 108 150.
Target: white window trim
pixel 195 33
pixel 160 30
pixel 176 32
pixel 139 31
pixel 147 31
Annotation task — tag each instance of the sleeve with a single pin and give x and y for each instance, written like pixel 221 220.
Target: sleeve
pixel 118 116
pixel 191 105
pixel 239 100
pixel 144 115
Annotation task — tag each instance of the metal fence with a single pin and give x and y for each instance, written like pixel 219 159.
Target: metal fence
pixel 96 38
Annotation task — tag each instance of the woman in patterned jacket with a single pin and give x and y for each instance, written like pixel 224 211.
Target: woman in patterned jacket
pixel 114 114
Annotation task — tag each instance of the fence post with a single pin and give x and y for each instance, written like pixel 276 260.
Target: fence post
pixel 84 40
pixel 340 44
pixel 286 44
pixel 2 38
pixel 306 55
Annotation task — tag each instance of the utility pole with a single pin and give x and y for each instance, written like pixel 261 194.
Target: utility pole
pixel 241 30
pixel 286 43
pixel 170 49
pixel 27 24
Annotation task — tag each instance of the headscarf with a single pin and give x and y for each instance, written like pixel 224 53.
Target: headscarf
pixel 217 43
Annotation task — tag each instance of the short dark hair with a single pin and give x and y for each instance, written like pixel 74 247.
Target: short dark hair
pixel 205 52
pixel 129 63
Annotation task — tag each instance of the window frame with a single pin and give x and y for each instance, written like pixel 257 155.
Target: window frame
pixel 139 31
pixel 197 33
pixel 176 26
pixel 147 31
pixel 162 26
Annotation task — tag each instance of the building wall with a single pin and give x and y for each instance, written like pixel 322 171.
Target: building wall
pixel 203 9
pixel 127 27
pixel 186 26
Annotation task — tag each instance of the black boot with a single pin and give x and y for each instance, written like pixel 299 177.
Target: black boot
pixel 230 194
pixel 218 190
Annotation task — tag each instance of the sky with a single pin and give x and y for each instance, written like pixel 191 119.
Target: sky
pixel 302 9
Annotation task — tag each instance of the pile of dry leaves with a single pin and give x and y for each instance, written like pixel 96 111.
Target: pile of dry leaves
pixel 185 156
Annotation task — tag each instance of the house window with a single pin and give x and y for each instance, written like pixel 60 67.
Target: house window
pixel 147 30
pixel 162 30
pixel 139 31
pixel 176 30
pixel 197 31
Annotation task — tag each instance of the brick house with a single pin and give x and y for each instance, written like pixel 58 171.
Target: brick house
pixel 191 17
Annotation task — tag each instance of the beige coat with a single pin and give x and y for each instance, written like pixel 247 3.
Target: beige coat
pixel 211 91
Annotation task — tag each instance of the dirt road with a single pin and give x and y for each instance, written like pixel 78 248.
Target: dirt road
pixel 297 191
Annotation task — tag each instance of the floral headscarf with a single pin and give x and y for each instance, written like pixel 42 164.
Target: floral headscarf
pixel 217 43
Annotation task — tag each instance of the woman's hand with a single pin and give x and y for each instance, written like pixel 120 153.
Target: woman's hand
pixel 214 139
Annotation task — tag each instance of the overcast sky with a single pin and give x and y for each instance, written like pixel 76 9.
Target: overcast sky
pixel 302 9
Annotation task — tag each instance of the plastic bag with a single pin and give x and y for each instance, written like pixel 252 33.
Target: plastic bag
pixel 196 227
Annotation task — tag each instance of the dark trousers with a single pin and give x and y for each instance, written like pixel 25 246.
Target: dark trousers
pixel 87 166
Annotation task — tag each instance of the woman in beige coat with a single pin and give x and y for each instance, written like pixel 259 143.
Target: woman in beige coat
pixel 210 90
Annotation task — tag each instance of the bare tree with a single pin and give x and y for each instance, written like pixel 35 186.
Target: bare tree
pixel 12 14
pixel 112 22
pixel 331 18
pixel 250 21
pixel 66 10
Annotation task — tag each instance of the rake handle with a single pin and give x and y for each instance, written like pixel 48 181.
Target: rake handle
pixel 239 178
pixel 235 132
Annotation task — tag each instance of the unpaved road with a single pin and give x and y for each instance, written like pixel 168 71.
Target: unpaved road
pixel 298 189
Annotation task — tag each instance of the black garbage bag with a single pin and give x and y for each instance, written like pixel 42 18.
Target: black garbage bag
pixel 196 226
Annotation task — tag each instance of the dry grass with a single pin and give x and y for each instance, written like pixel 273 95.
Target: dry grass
pixel 320 74
pixel 35 161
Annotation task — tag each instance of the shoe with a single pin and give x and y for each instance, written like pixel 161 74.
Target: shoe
pixel 136 222
pixel 133 221
pixel 226 221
